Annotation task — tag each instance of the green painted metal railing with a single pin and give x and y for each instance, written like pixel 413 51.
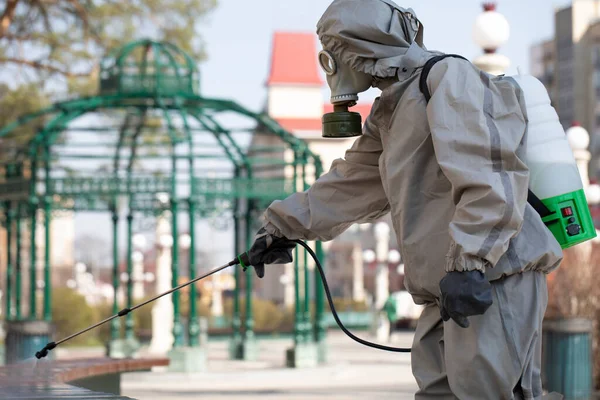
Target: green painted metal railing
pixel 109 186
pixel 132 84
pixel 166 85
pixel 14 189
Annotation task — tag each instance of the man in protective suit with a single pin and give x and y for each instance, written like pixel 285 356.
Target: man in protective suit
pixel 451 173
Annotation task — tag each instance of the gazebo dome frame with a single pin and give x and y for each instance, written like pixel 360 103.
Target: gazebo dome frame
pixel 153 87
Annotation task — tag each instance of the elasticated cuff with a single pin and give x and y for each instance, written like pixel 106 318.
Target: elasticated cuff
pixel 272 230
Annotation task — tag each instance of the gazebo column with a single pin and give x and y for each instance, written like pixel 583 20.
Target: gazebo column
pixel 47 235
pixel 303 354
pixel 236 323
pixel 190 357
pixel 249 345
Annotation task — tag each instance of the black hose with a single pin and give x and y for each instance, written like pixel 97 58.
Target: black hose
pixel 335 315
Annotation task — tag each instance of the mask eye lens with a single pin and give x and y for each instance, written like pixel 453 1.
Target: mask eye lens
pixel 327 62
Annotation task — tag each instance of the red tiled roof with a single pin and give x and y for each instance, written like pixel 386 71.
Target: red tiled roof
pixel 294 59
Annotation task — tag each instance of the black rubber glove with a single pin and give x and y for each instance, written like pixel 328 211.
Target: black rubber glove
pixel 269 249
pixel 464 294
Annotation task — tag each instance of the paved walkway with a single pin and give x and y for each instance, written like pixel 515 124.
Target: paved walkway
pixel 353 372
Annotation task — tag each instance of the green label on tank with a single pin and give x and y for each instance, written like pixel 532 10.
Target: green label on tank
pixel 571 221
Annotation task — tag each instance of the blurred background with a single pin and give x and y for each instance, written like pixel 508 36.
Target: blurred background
pixel 98 101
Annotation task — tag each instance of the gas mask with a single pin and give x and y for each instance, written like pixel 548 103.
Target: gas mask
pixel 345 84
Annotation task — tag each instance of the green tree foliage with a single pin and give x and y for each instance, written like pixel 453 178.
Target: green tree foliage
pixel 23 99
pixel 51 48
pixel 67 38
pixel 71 313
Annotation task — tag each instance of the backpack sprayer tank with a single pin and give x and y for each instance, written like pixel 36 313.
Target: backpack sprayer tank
pixel 554 177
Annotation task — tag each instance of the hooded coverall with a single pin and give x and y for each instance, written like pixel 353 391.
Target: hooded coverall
pixel 451 173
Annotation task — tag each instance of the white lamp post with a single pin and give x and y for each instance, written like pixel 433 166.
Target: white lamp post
pixel 394 256
pixel 368 256
pixel 358 284
pixel 382 238
pixel 139 241
pixel 162 311
pixel 491 30
pixel 593 194
pixel 217 297
pixel 163 198
pixel 579 140
pixel 381 254
pixel 185 241
pixel 137 258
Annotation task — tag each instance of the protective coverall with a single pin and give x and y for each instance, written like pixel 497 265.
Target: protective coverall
pixel 451 173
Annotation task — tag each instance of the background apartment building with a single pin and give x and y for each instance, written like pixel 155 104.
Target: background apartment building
pixel 569 67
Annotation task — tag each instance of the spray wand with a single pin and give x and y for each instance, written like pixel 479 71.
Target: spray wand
pixel 242 260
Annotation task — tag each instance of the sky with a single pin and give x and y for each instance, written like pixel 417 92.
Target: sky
pixel 238 37
pixel 239 34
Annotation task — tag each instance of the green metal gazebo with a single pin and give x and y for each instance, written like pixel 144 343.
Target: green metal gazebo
pixel 149 131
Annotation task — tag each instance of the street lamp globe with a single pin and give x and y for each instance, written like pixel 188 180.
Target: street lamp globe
pixel 400 269
pixel 163 198
pixel 139 241
pixel 369 256
pixel 578 137
pixel 491 29
pixel 593 194
pixel 137 256
pixel 185 241
pixel 382 230
pixel 165 240
pixel 394 256
pixel 80 267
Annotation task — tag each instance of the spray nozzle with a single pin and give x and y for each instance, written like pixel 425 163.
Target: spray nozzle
pixel 44 352
pixel 243 260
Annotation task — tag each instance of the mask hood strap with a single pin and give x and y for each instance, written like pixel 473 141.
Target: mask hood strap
pixel 419 37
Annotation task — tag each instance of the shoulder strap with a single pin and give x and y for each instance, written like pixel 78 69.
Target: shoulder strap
pixel 532 199
pixel 427 68
pixel 537 204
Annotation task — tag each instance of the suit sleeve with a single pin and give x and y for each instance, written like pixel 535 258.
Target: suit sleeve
pixel 478 126
pixel 351 192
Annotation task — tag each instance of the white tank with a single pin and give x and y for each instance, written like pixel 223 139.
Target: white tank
pixel 552 166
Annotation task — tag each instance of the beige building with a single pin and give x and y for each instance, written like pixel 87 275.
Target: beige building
pixel 569 66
